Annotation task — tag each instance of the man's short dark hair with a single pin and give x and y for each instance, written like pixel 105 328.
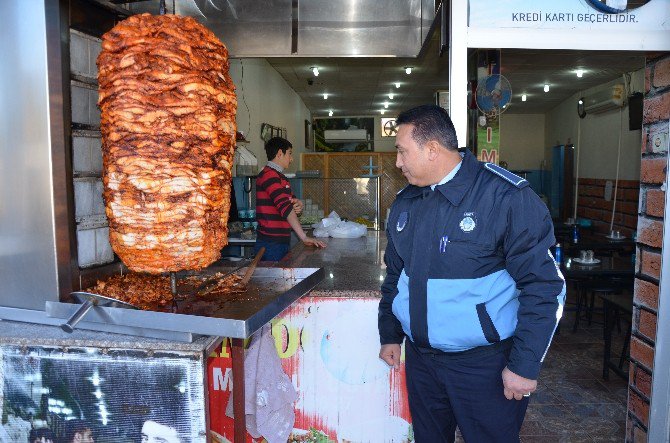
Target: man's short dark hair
pixel 276 144
pixel 430 122
pixel 38 434
pixel 74 427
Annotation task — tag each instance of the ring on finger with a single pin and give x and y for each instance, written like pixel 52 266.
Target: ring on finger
pixel 527 394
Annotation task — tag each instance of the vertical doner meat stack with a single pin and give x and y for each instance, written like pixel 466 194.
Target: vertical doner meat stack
pixel 168 128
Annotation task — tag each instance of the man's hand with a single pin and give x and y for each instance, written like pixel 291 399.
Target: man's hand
pixel 308 241
pixel 297 205
pixel 390 354
pixel 517 386
pixel 295 225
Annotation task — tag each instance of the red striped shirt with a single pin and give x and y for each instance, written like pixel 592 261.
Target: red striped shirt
pixel 273 205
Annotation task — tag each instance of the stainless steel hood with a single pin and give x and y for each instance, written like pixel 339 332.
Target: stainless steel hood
pixel 38 234
pixel 303 28
pixel 32 172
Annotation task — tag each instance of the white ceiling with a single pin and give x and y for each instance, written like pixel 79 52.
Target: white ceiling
pixel 359 86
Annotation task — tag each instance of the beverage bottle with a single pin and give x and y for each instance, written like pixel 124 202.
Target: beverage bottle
pixel 558 253
pixel 575 234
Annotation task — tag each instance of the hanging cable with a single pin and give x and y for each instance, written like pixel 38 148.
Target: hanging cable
pixel 618 160
pixel 579 138
pixel 244 100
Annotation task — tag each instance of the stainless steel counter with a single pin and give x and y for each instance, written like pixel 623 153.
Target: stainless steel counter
pixel 270 291
pixel 354 267
pixel 31 334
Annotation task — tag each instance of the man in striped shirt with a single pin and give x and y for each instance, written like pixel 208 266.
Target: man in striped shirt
pixel 277 208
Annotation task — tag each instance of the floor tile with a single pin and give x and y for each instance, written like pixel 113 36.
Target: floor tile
pixel 573 402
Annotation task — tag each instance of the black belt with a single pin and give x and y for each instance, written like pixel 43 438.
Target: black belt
pixel 501 346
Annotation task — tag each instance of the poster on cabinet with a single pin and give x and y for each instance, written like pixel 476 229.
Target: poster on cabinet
pixel 90 394
pixel 345 392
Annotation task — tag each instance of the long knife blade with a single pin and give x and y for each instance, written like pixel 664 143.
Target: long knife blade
pixel 210 283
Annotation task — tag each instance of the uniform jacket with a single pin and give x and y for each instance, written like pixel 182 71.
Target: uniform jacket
pixel 468 264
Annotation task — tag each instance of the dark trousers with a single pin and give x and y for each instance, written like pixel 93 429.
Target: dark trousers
pixel 274 251
pixel 465 390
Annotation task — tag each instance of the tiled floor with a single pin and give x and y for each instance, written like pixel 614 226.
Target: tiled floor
pixel 573 403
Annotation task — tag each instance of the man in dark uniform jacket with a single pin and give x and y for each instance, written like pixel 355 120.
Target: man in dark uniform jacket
pixel 470 282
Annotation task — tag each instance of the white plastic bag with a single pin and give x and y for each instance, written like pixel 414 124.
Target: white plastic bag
pixel 320 232
pixel 333 226
pixel 348 230
pixel 332 220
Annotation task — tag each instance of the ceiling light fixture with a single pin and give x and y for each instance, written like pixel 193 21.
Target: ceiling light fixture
pixel 580 73
pixel 330 113
pixel 386 105
pixel 391 95
pixel 383 111
pixel 315 71
pixel 408 70
pixel 546 88
pixel 397 85
pixel 523 97
pixel 325 96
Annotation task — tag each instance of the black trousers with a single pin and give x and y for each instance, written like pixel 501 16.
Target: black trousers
pixel 463 390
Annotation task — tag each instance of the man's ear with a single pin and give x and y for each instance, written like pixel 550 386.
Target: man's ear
pixel 433 149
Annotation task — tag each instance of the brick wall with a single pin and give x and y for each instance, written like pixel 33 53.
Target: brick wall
pixel 591 204
pixel 650 238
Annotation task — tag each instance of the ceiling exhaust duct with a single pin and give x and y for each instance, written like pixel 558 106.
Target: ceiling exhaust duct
pixel 325 28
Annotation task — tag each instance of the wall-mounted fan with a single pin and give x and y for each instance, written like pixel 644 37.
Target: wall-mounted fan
pixel 389 127
pixel 493 96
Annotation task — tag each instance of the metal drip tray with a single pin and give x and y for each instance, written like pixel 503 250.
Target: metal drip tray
pixel 270 291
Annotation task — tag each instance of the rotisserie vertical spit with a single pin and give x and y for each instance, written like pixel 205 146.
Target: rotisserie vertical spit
pixel 168 126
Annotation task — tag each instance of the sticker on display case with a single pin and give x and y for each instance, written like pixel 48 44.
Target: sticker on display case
pixel 84 394
pixel 345 392
pixel 619 15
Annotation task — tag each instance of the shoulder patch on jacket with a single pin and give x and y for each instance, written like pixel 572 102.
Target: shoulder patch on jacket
pixel 506 175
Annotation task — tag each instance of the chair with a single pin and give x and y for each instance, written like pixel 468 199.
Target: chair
pixel 617 307
pixel 586 295
pixel 575 283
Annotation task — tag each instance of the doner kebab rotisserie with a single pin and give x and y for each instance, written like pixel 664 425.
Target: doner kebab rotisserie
pixel 168 137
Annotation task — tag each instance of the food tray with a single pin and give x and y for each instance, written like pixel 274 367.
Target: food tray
pixel 270 291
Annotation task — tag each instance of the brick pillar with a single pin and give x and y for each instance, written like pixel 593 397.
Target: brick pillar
pixel 650 239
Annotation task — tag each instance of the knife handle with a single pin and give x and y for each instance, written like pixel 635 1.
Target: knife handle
pixel 252 267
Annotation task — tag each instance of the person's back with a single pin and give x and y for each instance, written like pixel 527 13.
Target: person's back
pixel 273 204
pixel 277 208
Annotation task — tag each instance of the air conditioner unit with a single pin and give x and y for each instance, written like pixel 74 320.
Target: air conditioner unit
pixel 605 100
pixel 346 135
